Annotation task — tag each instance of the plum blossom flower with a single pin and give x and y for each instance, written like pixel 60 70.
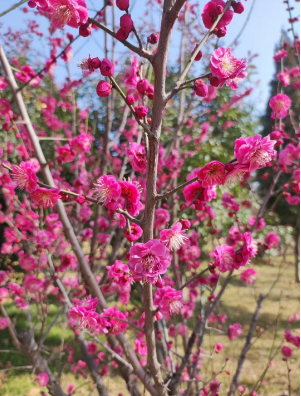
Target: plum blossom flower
pixel 280 54
pixel 131 194
pixel 224 258
pixel 173 238
pixel 254 152
pixel 218 347
pixel 227 68
pixel 119 273
pixel 286 351
pixel 149 260
pixel 214 387
pixel 137 157
pixel 250 245
pixel 248 276
pixel 141 347
pixel 272 240
pixel 168 300
pixel 260 223
pixel 24 176
pixel 33 284
pixel 45 197
pixel 295 340
pixel 112 315
pixel 73 13
pixel 43 379
pixel 106 189
pixel 212 174
pixel 234 331
pixel 3 293
pixel 212 10
pixel 136 232
pixel 65 154
pixel 280 104
pixel 3 323
pixel 236 175
pixel 162 216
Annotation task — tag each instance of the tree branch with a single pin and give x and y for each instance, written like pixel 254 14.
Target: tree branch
pixel 246 347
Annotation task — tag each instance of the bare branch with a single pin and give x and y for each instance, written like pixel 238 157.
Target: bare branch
pixel 246 347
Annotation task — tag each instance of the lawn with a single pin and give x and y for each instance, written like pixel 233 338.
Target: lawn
pixel 239 304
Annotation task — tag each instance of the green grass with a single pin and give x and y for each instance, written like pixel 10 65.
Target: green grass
pixel 238 303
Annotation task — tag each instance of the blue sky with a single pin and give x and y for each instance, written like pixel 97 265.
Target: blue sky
pixel 260 35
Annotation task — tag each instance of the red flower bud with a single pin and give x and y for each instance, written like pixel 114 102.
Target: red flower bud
pixel 141 111
pixel 214 81
pixel 123 5
pixel 126 23
pixel 198 55
pixel 122 35
pixel 95 62
pixel 221 32
pixel 85 29
pixel 130 100
pixel 153 38
pixel 219 9
pixel 200 88
pixel 107 68
pixel 238 7
pixel 275 134
pixel 160 283
pixel 103 89
pixel 185 223
pixel 183 206
pixel 81 199
pixel 142 85
pixel 150 92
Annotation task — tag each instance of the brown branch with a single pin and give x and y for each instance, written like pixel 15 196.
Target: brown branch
pixel 246 347
pixel 194 277
pixel 12 8
pixel 171 192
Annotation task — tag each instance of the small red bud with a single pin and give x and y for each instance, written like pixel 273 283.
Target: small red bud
pixel 85 29
pixel 153 38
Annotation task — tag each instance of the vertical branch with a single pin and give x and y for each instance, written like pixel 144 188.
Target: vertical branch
pixel 246 347
pixel 68 229
pixel 159 64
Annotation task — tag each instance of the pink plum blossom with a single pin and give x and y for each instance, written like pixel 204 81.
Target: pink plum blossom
pixel 227 68
pixel 4 323
pixel 212 10
pixel 272 240
pixel 45 197
pixel 286 351
pixel 173 238
pixel 24 176
pixel 137 157
pixel 73 13
pixel 112 315
pixel 280 105
pixel 168 300
pixel 106 189
pixel 254 152
pixel 149 260
pixel 248 276
pixel 224 258
pixel 212 174
pixel 234 331
pixel 43 379
pixel 134 233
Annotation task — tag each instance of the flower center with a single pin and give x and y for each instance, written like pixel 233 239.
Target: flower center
pixel 61 16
